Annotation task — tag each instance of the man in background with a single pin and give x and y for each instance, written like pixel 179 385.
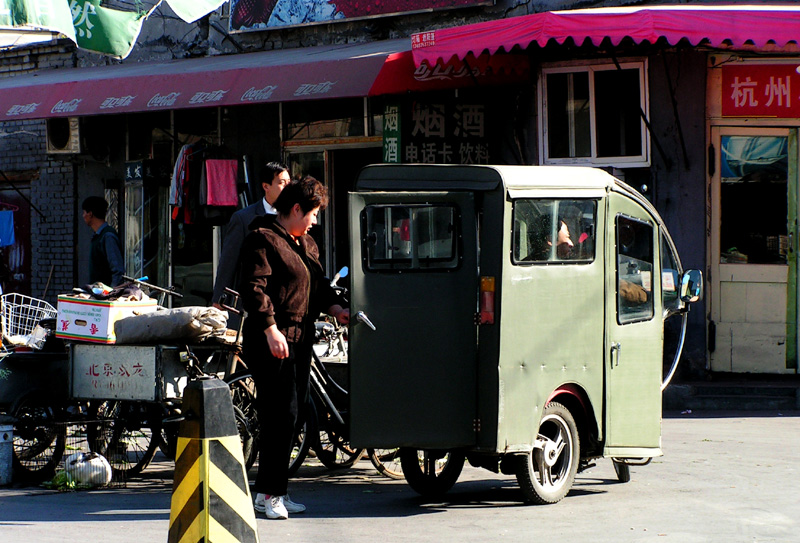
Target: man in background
pixel 276 177
pixel 106 264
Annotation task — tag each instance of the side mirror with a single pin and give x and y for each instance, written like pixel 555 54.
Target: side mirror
pixel 691 286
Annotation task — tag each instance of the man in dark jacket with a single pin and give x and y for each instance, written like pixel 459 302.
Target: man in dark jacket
pixel 276 177
pixel 106 264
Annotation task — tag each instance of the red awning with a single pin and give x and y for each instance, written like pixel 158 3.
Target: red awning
pixel 342 71
pixel 247 78
pixel 737 26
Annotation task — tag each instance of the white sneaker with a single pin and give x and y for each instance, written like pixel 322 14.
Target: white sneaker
pixel 293 507
pixel 273 506
pixel 259 503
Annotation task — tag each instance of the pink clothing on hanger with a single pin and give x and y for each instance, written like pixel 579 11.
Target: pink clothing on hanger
pixel 221 182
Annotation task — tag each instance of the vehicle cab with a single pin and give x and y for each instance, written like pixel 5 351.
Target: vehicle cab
pixel 519 320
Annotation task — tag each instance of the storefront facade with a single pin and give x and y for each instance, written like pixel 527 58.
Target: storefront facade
pixel 671 112
pixel 753 118
pixel 692 106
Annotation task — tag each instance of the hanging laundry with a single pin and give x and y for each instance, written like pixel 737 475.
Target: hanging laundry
pixel 178 177
pixel 185 184
pixel 220 182
pixel 7 228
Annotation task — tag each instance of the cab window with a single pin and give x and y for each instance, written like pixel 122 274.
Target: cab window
pixel 548 231
pixel 410 237
pixel 635 253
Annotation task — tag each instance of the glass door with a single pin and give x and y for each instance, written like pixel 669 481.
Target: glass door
pixel 314 163
pixel 753 279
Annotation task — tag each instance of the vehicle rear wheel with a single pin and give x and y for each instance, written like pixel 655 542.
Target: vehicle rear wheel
pixel 546 474
pixel 38 442
pixel 431 473
pixel 387 462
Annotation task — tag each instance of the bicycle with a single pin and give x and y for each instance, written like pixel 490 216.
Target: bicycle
pixel 37 443
pixel 329 401
pixel 331 345
pixel 322 424
pixel 323 421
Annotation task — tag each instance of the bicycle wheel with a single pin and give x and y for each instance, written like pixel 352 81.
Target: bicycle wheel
pixel 332 449
pixel 247 437
pixel 38 443
pixel 243 393
pixel 303 439
pixel 127 434
pixel 387 462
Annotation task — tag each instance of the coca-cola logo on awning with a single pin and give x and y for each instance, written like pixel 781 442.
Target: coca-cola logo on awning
pixel 256 95
pixel 66 107
pixel 22 109
pixel 424 72
pixel 163 101
pixel 207 97
pixel 117 101
pixel 307 89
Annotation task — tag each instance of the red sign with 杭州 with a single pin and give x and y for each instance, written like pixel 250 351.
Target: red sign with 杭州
pixel 761 90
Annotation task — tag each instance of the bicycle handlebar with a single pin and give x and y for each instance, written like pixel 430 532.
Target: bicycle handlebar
pixel 170 291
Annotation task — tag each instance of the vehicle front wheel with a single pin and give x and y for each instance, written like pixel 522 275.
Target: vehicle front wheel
pixel 431 473
pixel 623 470
pixel 546 474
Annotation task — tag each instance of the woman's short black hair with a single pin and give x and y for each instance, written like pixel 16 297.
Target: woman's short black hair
pixel 308 192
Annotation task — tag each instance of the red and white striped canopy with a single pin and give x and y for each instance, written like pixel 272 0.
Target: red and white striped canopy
pixel 736 26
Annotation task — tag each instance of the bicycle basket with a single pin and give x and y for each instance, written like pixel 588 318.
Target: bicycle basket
pixel 21 314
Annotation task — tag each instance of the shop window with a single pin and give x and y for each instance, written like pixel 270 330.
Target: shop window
pixel 753 200
pixel 593 115
pixel 415 237
pixel 321 119
pixel 554 231
pixel 635 257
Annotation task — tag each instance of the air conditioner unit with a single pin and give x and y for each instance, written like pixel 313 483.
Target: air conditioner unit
pixel 63 135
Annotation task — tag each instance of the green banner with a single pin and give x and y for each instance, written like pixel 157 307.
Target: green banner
pixel 103 30
pixel 92 26
pixel 50 15
pixel 114 32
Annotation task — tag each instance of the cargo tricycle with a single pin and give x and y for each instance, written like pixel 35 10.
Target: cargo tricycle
pixel 513 316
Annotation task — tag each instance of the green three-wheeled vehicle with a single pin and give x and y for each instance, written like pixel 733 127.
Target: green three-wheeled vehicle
pixel 512 315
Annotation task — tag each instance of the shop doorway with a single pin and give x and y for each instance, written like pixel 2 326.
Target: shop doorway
pixel 753 280
pixel 338 169
pixel 15 240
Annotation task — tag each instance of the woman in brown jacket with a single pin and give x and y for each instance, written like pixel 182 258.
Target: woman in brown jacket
pixel 284 290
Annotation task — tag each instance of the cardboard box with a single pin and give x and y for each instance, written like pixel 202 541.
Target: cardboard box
pixel 93 320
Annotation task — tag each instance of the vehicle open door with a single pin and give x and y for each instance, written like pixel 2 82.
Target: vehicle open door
pixel 415 278
pixel 634 332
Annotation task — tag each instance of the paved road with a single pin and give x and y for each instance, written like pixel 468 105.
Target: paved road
pixel 723 478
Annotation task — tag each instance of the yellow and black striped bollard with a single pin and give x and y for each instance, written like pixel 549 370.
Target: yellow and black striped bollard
pixel 210 494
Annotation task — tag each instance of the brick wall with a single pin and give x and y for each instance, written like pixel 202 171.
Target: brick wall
pixel 23 149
